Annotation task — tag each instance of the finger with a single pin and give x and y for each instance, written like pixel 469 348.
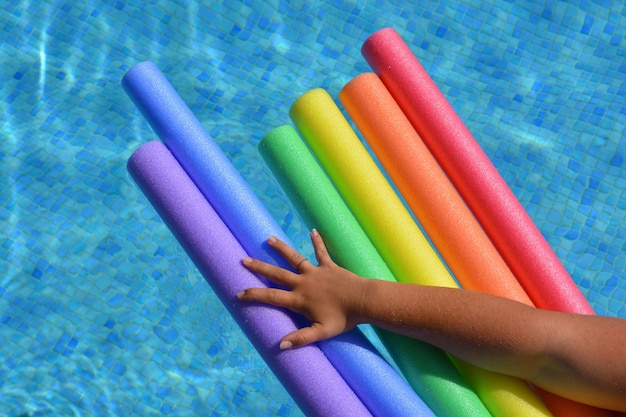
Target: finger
pixel 305 336
pixel 275 273
pixel 295 259
pixel 272 296
pixel 321 253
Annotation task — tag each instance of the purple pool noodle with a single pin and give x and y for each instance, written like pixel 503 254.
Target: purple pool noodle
pixel 306 373
pixel 206 164
pixel 378 385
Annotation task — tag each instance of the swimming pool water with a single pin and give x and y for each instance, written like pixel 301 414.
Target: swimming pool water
pixel 101 312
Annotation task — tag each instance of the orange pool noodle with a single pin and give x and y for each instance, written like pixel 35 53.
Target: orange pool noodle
pixel 441 211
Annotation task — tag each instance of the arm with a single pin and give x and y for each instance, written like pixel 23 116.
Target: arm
pixel 575 356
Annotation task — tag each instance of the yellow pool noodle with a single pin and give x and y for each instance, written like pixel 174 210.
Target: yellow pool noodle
pixel 394 233
pixel 379 211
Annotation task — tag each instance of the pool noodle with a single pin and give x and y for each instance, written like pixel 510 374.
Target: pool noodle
pixel 306 373
pixel 500 213
pixel 394 233
pixel 251 224
pixel 440 209
pixel 428 369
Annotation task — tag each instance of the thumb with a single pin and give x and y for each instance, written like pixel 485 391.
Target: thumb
pixel 305 336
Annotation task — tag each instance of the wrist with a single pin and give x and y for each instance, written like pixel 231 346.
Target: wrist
pixel 365 290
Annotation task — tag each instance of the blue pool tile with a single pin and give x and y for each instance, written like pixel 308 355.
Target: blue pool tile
pixel 119 369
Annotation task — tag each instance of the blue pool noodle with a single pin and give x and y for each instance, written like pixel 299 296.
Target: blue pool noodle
pixel 378 385
pixel 307 374
pixel 220 182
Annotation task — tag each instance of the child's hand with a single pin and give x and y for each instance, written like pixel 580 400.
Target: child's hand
pixel 329 296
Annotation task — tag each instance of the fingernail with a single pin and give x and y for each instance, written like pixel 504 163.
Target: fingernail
pixel 286 345
pixel 314 233
pixel 246 260
pixel 271 240
pixel 241 293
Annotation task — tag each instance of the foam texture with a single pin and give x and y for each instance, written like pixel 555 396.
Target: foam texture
pixel 429 371
pixel 428 192
pixel 306 373
pixel 394 233
pixel 493 203
pixel 251 224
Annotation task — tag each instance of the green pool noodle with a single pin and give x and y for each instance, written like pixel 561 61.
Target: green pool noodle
pixel 427 369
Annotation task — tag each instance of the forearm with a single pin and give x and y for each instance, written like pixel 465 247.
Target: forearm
pixel 487 331
pixel 562 353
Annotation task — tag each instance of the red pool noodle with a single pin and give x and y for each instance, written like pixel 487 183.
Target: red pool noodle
pixel 502 216
pixel 505 220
